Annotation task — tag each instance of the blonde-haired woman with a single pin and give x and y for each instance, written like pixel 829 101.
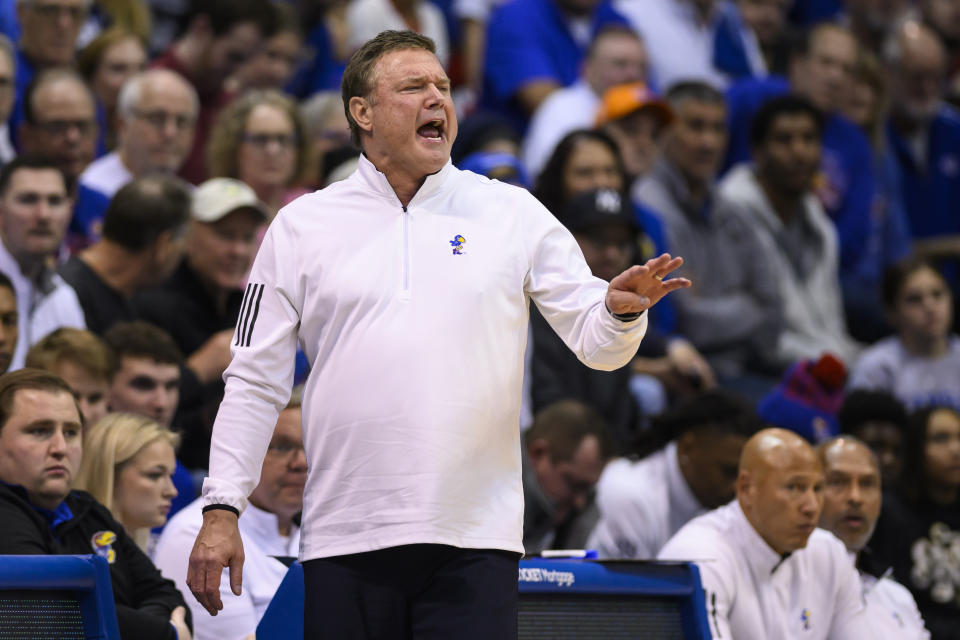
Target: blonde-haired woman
pixel 129 468
pixel 260 139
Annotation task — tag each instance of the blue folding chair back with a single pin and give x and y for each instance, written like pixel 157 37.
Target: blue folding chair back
pixel 63 597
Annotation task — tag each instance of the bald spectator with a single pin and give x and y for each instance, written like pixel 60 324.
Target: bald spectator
pixel 767 571
pixel 644 503
pixel 220 36
pixel 142 243
pixel 851 506
pixel 60 121
pixel 535 47
pixel 680 35
pixel 616 56
pixel 925 138
pixel 48 38
pixel 157 111
pixel 34 212
pixel 83 361
pixel 565 451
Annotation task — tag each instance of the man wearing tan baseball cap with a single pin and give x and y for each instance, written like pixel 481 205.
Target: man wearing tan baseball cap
pixel 199 304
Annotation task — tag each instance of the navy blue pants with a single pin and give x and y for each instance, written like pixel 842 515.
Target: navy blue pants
pixel 412 592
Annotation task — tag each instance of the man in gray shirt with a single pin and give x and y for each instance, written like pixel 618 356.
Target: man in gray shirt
pixel 732 314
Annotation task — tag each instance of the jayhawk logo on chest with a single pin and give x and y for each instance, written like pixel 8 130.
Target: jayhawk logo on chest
pixel 102 543
pixel 457 244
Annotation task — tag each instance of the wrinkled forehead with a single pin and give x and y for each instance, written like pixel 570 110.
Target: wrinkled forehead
pixel 405 64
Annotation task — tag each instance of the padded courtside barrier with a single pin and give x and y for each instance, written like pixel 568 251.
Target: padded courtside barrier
pixel 564 600
pixel 63 597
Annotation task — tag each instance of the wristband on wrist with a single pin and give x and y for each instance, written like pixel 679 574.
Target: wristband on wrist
pixel 624 317
pixel 224 507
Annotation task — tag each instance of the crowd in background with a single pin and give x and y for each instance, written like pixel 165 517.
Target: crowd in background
pixel 803 157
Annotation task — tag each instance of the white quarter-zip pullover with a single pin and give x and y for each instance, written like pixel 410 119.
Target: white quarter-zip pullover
pixel 414 320
pixel 754 593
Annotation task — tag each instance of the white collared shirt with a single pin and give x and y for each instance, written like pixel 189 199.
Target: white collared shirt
pixel 642 504
pixel 106 175
pixel 891 610
pixel 564 110
pixel 414 320
pixel 752 593
pixel 679 44
pixel 42 306
pixel 262 572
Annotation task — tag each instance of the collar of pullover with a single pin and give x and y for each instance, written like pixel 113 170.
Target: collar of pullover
pixel 378 182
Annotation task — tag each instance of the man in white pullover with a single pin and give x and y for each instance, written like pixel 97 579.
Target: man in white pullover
pixel 408 287
pixel 767 571
pixel 851 507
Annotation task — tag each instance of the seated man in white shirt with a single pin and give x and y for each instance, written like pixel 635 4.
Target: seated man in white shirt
pixel 616 56
pixel 644 502
pixel 851 506
pixel 767 571
pixel 268 528
pixel 158 111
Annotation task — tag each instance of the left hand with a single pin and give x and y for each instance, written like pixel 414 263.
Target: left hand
pixel 641 286
pixel 686 361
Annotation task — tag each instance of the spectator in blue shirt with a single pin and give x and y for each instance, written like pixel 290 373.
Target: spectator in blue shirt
pixel 749 37
pixel 806 12
pixel 925 137
pixel 535 47
pixel 48 38
pixel 889 239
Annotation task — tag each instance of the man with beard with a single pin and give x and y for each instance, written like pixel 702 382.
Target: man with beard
pixel 851 506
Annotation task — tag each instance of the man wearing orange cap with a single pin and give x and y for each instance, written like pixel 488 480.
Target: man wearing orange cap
pixel 634 116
